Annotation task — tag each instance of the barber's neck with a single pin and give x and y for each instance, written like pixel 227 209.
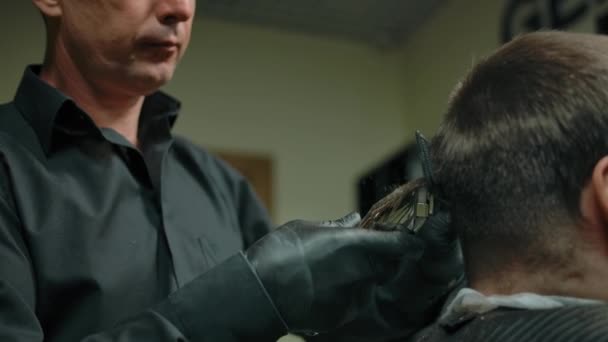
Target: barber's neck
pixel 107 105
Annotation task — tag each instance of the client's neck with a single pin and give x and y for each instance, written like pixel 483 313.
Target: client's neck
pixel 586 278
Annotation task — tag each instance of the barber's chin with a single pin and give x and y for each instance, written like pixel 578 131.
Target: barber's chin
pixel 151 80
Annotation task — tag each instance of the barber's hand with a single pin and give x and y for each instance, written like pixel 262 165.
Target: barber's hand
pixel 414 294
pixel 442 259
pixel 318 275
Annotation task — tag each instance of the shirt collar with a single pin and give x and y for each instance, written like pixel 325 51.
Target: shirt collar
pixel 41 104
pixel 469 303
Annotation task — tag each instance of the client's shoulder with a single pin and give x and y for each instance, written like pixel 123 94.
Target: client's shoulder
pixel 572 323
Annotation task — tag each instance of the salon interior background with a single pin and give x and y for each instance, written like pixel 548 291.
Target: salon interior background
pixel 325 103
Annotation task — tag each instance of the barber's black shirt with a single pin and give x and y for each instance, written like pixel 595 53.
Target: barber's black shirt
pixel 95 233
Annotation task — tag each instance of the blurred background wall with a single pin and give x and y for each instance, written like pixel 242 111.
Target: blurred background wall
pixel 326 93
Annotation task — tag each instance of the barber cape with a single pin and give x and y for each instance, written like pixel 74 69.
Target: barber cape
pixel 471 316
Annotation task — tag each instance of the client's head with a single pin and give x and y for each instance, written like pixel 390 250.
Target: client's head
pixel 522 156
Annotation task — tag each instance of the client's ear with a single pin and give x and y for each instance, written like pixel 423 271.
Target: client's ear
pixel 49 8
pixel 594 197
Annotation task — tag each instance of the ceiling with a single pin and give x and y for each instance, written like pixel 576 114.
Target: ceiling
pixel 383 23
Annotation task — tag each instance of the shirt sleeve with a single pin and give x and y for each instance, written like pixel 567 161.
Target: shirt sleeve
pixel 253 218
pixel 17 290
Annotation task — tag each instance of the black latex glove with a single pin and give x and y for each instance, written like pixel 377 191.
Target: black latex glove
pixel 413 296
pixel 317 275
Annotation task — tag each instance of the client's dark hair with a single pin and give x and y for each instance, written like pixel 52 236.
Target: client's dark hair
pixel 521 137
pixel 395 208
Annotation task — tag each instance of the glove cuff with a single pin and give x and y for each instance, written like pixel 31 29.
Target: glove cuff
pixel 224 304
pixel 270 301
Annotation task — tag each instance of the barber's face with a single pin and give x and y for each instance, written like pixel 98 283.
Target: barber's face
pixel 133 44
